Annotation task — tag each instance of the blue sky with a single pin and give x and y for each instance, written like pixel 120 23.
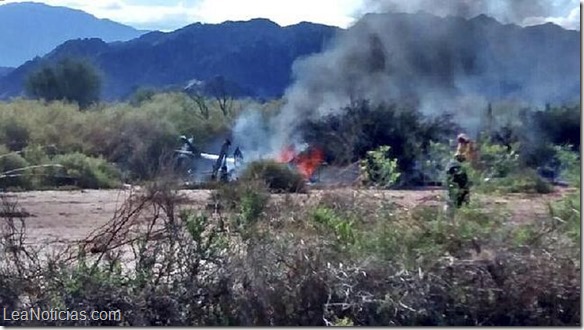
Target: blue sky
pixel 169 15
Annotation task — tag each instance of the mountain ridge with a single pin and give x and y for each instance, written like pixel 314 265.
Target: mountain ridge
pixel 258 54
pixel 42 27
pixel 231 49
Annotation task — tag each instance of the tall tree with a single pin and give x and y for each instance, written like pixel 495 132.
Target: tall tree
pixel 72 80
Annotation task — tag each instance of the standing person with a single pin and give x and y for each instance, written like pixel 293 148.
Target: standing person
pixel 186 154
pixel 458 182
pixel 237 157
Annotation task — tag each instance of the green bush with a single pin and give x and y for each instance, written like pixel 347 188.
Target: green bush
pixel 85 172
pixel 247 200
pixel 331 223
pixel 378 169
pixel 526 181
pixel 278 177
pixel 570 164
pixel 252 203
pixel 427 234
pixel 14 134
pixel 12 170
pixel 36 155
pixel 568 213
pixel 41 171
pixel 499 170
pixel 497 161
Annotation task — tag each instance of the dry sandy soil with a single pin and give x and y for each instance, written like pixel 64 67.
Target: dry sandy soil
pixel 71 215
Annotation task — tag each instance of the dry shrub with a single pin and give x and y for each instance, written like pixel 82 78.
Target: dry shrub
pixel 461 293
pixel 161 263
pixel 278 177
pixel 229 196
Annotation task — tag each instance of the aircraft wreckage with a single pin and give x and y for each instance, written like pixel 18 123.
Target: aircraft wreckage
pixel 200 166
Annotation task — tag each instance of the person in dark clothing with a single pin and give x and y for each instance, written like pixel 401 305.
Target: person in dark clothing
pixel 238 157
pixel 237 153
pixel 188 144
pixel 458 182
pixel 224 174
pixel 185 156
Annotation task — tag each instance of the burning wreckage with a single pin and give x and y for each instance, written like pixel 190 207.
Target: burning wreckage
pixel 306 160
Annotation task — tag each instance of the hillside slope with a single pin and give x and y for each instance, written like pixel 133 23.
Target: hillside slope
pixel 30 29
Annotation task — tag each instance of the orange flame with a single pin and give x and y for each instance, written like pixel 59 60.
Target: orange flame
pixel 286 155
pixel 306 162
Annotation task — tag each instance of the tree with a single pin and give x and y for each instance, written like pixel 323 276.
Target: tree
pixel 72 80
pixel 195 90
pixel 223 92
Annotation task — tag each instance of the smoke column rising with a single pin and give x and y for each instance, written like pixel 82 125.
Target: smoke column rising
pixel 251 133
pixel 506 11
pixel 384 59
pixel 435 64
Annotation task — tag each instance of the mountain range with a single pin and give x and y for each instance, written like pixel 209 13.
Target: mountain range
pixel 29 29
pixel 258 55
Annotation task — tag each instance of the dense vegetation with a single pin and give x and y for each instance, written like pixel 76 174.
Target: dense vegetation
pixel 133 139
pixel 133 142
pixel 351 258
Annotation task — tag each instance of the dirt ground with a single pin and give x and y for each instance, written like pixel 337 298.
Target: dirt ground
pixel 62 216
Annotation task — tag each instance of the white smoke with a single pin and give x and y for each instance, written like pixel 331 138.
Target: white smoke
pixel 252 134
